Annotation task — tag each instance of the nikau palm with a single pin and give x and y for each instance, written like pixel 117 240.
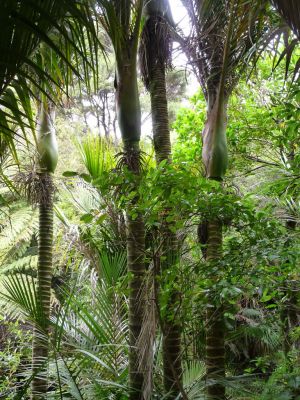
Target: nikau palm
pixel 121 20
pixel 25 24
pixel 47 160
pixel 224 32
pixel 155 57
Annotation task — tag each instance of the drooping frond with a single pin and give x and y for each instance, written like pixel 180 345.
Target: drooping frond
pixel 290 11
pixel 121 21
pixel 24 24
pixel 223 33
pixel 69 40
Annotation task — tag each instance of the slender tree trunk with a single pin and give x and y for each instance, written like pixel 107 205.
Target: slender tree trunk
pixel 289 315
pixel 155 53
pixel 129 117
pixel 160 115
pixel 171 324
pixel 136 268
pixel 40 345
pixel 215 338
pixel 215 158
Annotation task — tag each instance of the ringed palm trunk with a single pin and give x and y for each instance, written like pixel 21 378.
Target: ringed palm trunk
pixel 215 161
pixel 40 337
pixel 159 110
pixel 289 314
pixel 215 328
pixel 47 152
pixel 225 32
pixel 171 325
pixel 129 117
pixel 155 52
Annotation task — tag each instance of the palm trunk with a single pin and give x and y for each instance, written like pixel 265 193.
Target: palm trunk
pixel 43 195
pixel 160 116
pixel 40 347
pixel 171 327
pixel 289 315
pixel 136 269
pixel 215 338
pixel 155 53
pixel 129 117
pixel 214 155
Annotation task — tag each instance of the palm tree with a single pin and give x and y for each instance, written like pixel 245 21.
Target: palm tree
pixel 62 26
pixel 121 20
pixel 47 160
pixel 155 56
pixel 224 32
pixel 25 26
pixel 290 13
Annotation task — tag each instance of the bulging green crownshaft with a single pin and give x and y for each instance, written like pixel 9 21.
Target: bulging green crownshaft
pixel 46 140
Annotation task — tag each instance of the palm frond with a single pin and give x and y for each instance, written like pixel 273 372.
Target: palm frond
pixel 97 156
pixel 70 46
pixel 97 333
pixel 290 11
pixel 19 297
pixel 26 23
pixel 193 380
pixel 224 33
pixel 112 266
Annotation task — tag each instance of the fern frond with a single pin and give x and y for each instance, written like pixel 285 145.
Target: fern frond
pixel 23 264
pixel 16 235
